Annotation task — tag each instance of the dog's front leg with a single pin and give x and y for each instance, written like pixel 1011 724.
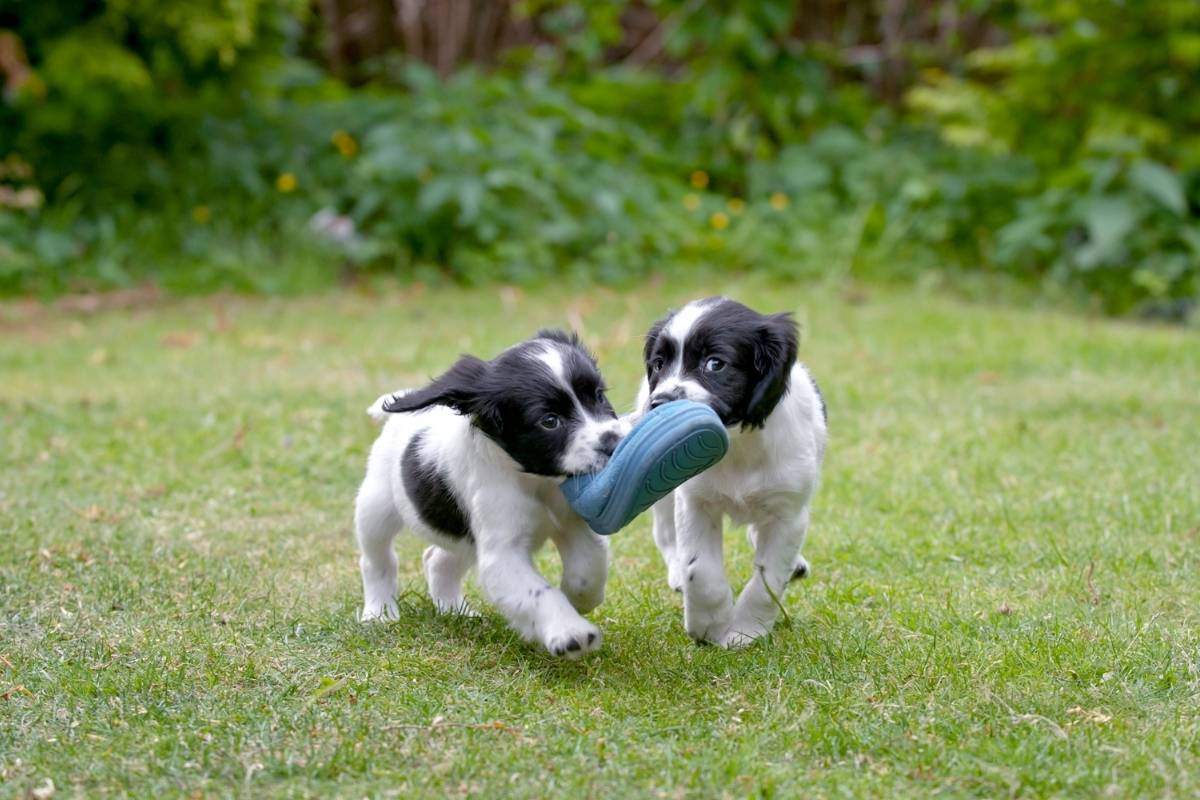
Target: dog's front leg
pixel 707 598
pixel 585 565
pixel 535 609
pixel 776 559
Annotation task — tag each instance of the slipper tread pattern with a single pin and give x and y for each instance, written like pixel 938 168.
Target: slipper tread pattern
pixel 672 444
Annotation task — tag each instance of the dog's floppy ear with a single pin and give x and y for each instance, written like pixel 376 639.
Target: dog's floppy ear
pixel 463 387
pixel 775 345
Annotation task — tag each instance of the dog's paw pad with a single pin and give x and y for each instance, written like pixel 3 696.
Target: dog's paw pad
pixel 575 641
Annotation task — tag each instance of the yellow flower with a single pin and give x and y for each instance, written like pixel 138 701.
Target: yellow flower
pixel 345 144
pixel 719 220
pixel 201 214
pixel 286 182
pixel 699 179
pixel 691 201
pixel 779 201
pixel 736 205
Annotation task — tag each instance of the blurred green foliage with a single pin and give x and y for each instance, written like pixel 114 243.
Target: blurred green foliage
pixel 1103 98
pixel 208 144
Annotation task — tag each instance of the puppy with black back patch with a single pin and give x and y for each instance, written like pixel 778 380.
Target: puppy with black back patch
pixel 472 463
pixel 743 365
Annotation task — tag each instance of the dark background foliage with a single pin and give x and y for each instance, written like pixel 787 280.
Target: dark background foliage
pixel 275 145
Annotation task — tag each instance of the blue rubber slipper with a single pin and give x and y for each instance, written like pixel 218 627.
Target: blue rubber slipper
pixel 672 443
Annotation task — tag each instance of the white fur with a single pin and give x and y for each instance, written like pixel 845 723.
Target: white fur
pixel 767 481
pixel 580 455
pixel 512 514
pixel 552 358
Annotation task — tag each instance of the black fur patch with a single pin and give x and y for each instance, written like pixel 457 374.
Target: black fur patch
pixel 430 493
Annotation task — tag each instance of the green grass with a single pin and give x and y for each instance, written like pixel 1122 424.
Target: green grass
pixel 1005 550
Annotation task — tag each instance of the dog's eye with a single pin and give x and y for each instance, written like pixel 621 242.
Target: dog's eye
pixel 600 395
pixel 550 422
pixel 656 364
pixel 714 365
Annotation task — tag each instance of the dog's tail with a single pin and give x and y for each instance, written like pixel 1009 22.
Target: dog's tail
pixel 375 410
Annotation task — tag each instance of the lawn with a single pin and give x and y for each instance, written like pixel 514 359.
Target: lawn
pixel 1004 597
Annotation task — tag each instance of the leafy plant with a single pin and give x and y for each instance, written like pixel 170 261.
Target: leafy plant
pixel 1106 104
pixel 205 145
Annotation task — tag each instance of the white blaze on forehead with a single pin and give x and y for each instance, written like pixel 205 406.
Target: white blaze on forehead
pixel 682 323
pixel 552 358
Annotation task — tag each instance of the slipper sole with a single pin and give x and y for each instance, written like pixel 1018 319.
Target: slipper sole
pixel 670 445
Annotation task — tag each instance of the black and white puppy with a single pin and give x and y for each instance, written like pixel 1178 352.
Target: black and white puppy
pixel 472 464
pixel 743 365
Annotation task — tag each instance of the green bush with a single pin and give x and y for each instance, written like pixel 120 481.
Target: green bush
pixel 203 146
pixel 1105 101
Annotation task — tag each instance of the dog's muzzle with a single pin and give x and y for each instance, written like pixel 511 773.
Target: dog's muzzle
pixel 666 397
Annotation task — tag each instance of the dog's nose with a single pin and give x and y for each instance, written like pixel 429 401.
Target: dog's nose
pixel 608 442
pixel 666 397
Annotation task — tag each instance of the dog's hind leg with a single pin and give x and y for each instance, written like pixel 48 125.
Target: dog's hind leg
pixel 376 523
pixel 663 513
pixel 444 572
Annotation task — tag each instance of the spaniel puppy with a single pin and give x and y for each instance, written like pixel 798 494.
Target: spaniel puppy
pixel 743 365
pixel 472 464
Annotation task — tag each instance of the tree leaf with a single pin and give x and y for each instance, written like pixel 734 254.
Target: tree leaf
pixel 1160 183
pixel 1109 220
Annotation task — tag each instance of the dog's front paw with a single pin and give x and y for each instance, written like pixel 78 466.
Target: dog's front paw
pixel 708 623
pixel 572 639
pixel 380 610
pixel 453 608
pixel 742 635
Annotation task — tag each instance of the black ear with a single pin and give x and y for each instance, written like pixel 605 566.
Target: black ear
pixel 462 387
pixel 775 346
